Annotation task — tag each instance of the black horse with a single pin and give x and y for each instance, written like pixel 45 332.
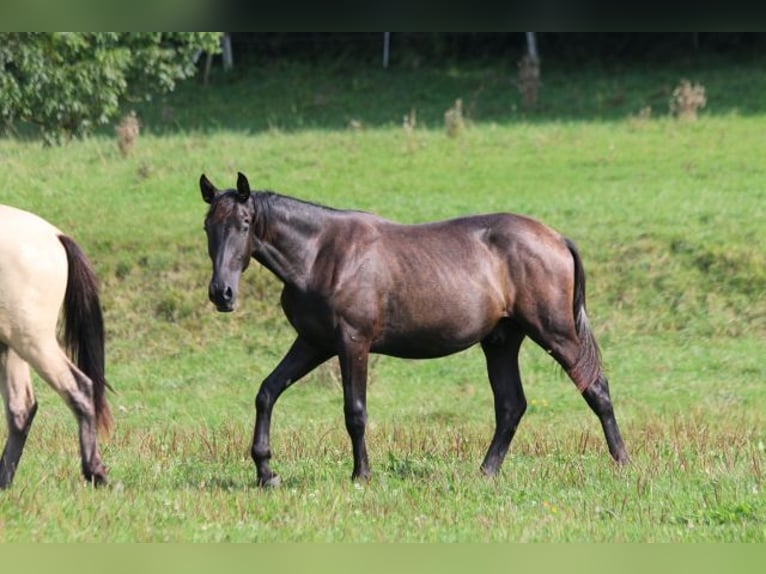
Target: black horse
pixel 356 284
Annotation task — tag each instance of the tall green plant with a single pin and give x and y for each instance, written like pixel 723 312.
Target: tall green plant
pixel 66 83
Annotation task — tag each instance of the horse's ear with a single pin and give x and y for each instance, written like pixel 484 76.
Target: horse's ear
pixel 243 187
pixel 207 188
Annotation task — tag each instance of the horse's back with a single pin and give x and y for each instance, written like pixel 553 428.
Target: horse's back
pixel 457 279
pixel 33 274
pixel 466 245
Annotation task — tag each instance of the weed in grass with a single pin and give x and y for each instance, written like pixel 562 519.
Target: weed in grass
pixel 453 119
pixel 123 269
pixel 408 126
pixel 641 119
pixel 127 132
pixel 172 308
pixel 687 99
pixel 144 171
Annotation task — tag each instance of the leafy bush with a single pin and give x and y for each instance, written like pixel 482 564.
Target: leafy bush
pixel 66 83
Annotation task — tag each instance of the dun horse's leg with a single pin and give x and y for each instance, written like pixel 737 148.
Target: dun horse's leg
pixel 81 403
pixel 353 358
pixel 77 391
pixel 299 360
pixel 501 350
pixel 20 409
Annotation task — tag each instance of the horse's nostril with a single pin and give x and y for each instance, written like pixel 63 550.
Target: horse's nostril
pixel 222 296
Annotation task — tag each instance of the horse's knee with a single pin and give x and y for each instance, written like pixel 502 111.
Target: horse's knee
pixel 519 408
pixel 509 413
pixel 81 404
pixel 356 417
pixel 20 402
pixel 71 384
pixel 20 420
pixel 597 397
pixel 264 399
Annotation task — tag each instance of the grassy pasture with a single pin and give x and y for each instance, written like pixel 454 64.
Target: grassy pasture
pixel 669 217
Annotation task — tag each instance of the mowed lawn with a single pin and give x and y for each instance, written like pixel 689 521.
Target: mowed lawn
pixel 668 215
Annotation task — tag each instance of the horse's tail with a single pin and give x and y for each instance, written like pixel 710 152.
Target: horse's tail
pixel 587 368
pixel 84 326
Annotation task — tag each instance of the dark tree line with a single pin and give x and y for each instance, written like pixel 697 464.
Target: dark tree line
pixel 553 46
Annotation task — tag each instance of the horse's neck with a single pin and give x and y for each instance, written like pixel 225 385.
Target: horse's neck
pixel 286 229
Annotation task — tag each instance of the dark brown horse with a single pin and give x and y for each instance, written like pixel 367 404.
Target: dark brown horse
pixel 356 284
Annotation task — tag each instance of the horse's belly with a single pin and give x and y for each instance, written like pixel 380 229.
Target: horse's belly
pixel 439 322
pixel 421 347
pixel 428 338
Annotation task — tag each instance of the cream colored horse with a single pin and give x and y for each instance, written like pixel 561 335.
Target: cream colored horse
pixel 43 273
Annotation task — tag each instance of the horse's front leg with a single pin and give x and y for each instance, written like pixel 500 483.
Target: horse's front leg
pixel 20 409
pixel 301 359
pixel 353 355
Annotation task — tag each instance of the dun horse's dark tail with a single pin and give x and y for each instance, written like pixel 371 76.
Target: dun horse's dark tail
pixel 84 326
pixel 587 369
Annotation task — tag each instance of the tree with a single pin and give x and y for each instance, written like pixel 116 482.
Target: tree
pixel 67 83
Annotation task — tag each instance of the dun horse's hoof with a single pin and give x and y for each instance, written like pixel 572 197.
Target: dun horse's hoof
pixel 623 460
pixel 274 481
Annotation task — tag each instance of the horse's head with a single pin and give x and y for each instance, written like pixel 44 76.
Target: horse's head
pixel 230 239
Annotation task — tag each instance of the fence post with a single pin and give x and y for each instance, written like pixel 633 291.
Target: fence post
pixel 228 56
pixel 386 42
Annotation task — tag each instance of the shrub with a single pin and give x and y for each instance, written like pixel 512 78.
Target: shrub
pixel 686 100
pixel 453 119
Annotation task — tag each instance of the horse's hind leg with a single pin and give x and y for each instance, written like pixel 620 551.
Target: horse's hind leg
pixel 76 389
pixel 569 351
pixel 598 399
pixel 553 313
pixel 20 409
pixel 501 349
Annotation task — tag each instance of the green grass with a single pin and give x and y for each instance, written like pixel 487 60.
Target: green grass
pixel 668 215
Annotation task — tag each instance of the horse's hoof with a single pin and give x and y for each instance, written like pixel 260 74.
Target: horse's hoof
pixel 274 481
pixel 96 479
pixel 99 480
pixel 488 472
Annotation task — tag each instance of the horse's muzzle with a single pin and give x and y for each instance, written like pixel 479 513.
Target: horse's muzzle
pixel 223 297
